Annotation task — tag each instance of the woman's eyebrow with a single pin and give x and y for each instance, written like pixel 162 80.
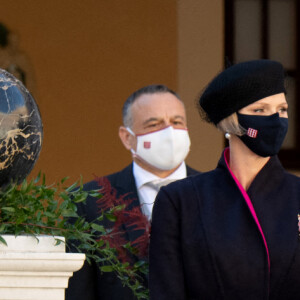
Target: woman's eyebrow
pixel 283 103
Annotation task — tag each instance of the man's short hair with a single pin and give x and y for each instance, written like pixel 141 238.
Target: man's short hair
pixel 149 89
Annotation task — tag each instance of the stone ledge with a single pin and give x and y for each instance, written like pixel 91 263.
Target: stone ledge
pixel 27 243
pixel 41 272
pixel 43 262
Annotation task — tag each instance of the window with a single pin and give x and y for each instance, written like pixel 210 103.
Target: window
pixel 256 29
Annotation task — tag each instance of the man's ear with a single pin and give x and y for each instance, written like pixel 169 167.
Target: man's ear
pixel 127 139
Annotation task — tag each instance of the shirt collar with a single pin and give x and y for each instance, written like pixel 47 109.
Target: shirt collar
pixel 142 176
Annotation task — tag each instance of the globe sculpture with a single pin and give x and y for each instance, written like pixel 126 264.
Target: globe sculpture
pixel 21 130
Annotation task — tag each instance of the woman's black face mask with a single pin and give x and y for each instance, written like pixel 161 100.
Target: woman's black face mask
pixel 265 134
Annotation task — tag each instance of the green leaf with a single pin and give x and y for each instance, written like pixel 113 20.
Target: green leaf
pixel 38 216
pixel 80 197
pixel 100 218
pixel 24 186
pixel 10 189
pixel 34 208
pixel 139 263
pixel 9 209
pixel 81 182
pixel 98 227
pixel 64 196
pixel 95 194
pixel 64 179
pixel 2 240
pixel 106 268
pixel 2 227
pixel 68 213
pixel 72 187
pixel 30 186
pixel 100 243
pixel 119 207
pixel 49 214
pixel 44 180
pixel 111 217
pixel 38 177
pixel 58 242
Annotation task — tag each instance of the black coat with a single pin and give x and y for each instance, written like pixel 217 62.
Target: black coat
pixel 88 283
pixel 205 243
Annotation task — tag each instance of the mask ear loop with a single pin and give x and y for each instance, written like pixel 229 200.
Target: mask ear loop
pixel 132 133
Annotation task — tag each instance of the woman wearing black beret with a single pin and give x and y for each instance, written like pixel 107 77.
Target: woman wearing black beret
pixel 233 233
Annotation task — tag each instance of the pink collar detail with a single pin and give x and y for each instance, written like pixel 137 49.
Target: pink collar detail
pixel 248 202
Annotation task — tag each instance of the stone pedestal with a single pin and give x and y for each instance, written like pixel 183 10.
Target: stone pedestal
pixel 32 269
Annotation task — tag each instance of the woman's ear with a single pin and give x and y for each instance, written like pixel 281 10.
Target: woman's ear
pixel 128 140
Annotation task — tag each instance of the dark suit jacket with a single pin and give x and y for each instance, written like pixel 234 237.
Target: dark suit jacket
pixel 88 283
pixel 205 243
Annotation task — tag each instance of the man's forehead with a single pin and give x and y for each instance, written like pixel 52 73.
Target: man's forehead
pixel 157 102
pixel 157 107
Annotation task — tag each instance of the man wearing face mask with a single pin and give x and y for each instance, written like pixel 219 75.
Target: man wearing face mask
pixel 155 131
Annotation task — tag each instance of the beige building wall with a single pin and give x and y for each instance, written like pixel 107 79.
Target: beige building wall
pixel 88 56
pixel 200 58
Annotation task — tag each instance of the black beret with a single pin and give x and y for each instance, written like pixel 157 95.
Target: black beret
pixel 241 85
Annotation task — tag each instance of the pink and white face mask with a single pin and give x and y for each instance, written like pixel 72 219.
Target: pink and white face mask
pixel 164 149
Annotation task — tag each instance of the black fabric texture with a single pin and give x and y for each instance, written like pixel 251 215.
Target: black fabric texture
pixel 241 85
pixel 205 243
pixel 270 132
pixel 89 283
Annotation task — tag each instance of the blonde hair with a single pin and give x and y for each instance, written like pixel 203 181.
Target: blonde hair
pixel 231 125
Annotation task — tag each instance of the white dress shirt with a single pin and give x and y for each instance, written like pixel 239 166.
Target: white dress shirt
pixel 147 193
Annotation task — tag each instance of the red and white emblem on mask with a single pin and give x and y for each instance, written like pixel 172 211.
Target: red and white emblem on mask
pixel 147 145
pixel 252 133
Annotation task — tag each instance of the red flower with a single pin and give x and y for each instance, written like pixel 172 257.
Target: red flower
pixel 132 218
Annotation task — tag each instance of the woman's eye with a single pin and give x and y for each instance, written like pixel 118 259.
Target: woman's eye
pixel 258 110
pixel 283 110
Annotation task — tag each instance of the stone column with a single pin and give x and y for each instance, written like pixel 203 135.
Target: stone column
pixel 36 269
